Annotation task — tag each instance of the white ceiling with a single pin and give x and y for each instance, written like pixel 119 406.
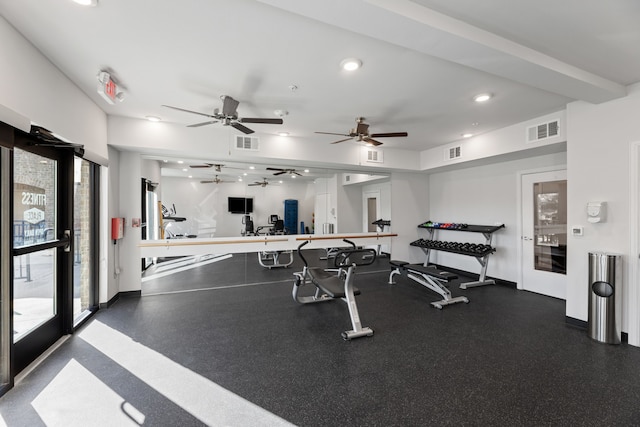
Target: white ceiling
pixel 423 61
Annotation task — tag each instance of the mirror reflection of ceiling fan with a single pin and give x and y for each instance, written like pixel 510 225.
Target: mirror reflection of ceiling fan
pixel 228 116
pixel 262 183
pixel 217 167
pixel 215 180
pixel 361 133
pixel 280 171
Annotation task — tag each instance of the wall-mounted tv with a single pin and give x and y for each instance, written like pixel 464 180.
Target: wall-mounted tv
pixel 240 205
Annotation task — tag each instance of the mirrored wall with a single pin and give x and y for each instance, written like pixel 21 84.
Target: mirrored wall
pixel 195 199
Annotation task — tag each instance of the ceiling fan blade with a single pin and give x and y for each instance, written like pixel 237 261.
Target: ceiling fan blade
pixel 342 140
pixel 294 172
pixel 258 120
pixel 370 141
pixel 241 128
pixel 210 122
pixel 275 169
pixel 206 165
pixel 207 182
pixel 280 173
pixel 253 185
pixel 388 135
pixel 189 111
pixel 332 133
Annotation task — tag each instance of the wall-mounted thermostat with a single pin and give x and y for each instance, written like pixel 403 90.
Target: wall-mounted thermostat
pixel 577 230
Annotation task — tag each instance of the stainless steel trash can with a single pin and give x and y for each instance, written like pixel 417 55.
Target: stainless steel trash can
pixel 605 316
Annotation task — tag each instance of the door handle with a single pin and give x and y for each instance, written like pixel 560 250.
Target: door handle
pixel 67 237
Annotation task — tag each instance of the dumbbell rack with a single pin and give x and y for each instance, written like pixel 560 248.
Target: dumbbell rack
pixel 480 252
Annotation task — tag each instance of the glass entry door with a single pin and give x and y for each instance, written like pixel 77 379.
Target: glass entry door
pixel 41 250
pixel 544 227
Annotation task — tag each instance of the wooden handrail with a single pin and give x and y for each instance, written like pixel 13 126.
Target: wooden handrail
pixel 341 237
pixel 187 242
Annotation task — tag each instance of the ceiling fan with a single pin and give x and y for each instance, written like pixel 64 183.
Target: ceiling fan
pixel 215 180
pixel 361 133
pixel 283 171
pixel 262 183
pixel 228 116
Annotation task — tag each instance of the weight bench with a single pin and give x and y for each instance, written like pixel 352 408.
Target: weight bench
pixel 429 277
pixel 336 284
pixel 271 259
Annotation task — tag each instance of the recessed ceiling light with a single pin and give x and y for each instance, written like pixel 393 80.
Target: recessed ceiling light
pixel 306 171
pixel 244 174
pixel 86 2
pixel 280 181
pixel 467 135
pixel 166 161
pixel 483 97
pixel 252 167
pixel 350 64
pixel 239 179
pixel 184 170
pixel 153 118
pixel 283 133
pixel 180 162
pixel 190 176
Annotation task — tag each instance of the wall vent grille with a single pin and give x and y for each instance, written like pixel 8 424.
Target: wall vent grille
pixel 374 156
pixel 247 143
pixel 543 131
pixel 453 153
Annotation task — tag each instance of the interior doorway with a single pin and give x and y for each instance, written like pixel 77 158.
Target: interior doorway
pixel 371 208
pixel 544 233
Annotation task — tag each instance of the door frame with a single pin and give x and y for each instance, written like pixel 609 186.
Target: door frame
pixel 61 324
pixel 633 267
pixel 519 225
pixel 366 195
pixel 6 312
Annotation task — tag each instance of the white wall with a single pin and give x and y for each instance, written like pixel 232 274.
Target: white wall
pixel 130 206
pixel 509 140
pixel 206 210
pixel 409 207
pixel 598 151
pixel 35 88
pixel 349 206
pixel 218 142
pixel 483 195
pixel 110 288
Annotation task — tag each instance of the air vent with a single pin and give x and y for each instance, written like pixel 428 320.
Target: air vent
pixel 374 156
pixel 452 153
pixel 543 131
pixel 247 143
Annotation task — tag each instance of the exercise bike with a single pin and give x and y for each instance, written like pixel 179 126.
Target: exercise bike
pixel 336 283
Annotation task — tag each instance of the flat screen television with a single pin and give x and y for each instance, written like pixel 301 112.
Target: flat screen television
pixel 240 205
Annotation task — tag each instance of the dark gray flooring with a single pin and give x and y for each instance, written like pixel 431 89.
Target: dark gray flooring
pixel 506 358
